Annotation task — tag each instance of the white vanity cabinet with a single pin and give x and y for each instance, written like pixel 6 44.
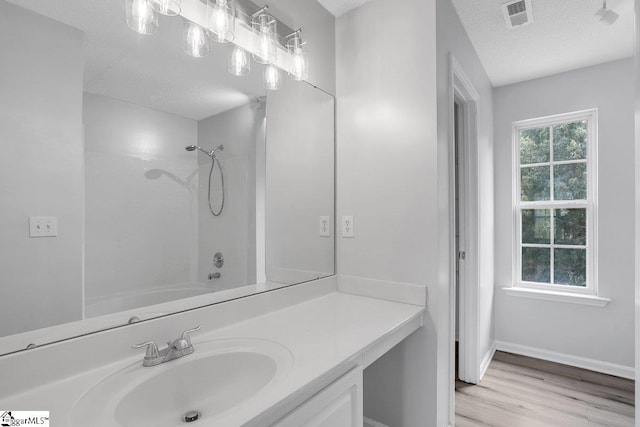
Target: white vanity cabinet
pixel 338 405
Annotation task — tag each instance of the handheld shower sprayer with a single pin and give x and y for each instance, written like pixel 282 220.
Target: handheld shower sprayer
pixel 214 161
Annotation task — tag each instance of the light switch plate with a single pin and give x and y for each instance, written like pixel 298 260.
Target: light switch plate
pixel 325 226
pixel 43 226
pixel 347 226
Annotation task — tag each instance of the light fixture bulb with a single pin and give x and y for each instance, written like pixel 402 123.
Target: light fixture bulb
pixel 195 41
pixel 141 17
pixel 299 68
pixel 221 21
pixel 264 25
pixel 239 64
pixel 272 77
pixel 166 7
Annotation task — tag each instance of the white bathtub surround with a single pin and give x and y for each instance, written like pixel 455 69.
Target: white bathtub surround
pixel 327 333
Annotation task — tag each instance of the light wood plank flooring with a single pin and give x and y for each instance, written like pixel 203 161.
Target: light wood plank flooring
pixel 519 391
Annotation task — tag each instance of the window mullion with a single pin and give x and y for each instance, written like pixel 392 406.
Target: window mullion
pixel 551 211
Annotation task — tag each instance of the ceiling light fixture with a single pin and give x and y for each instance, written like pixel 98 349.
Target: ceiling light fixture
pixel 221 20
pixel 141 17
pixel 607 16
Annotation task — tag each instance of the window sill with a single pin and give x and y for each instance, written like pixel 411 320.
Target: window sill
pixel 544 295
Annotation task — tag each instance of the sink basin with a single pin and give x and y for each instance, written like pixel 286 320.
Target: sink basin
pixel 218 376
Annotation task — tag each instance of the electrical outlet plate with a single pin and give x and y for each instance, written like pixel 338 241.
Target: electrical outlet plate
pixel 347 226
pixel 325 226
pixel 43 226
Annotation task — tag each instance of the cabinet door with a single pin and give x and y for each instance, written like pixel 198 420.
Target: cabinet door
pixel 338 405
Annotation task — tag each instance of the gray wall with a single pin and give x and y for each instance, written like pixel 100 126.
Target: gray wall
pixel 141 198
pixel 388 180
pixel 601 334
pixel 40 170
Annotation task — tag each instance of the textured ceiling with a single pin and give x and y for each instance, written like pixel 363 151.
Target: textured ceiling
pixel 565 35
pixel 339 7
pixel 151 71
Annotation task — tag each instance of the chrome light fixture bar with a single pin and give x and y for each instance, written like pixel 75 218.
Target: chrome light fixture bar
pixel 166 7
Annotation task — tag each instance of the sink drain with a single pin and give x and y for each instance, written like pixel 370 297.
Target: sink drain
pixel 191 416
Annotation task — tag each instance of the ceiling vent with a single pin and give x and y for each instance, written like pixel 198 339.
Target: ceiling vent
pixel 517 13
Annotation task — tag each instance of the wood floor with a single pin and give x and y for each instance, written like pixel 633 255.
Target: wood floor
pixel 519 391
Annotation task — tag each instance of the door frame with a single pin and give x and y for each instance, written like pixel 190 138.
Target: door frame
pixel 462 90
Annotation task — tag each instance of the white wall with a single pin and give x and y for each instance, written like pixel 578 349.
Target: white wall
pixel 600 334
pixel 387 179
pixel 233 232
pixel 40 170
pixel 141 198
pixel 300 183
pixel 452 39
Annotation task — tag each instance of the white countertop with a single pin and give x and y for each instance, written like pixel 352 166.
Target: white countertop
pixel 324 335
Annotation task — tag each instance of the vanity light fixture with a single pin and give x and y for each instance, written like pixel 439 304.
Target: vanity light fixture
pixel 239 63
pixel 607 16
pixel 272 77
pixel 299 68
pixel 265 27
pixel 258 35
pixel 166 7
pixel 221 20
pixel 195 41
pixel 141 17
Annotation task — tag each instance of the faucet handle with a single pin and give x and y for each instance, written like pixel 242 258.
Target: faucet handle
pixel 185 335
pixel 152 349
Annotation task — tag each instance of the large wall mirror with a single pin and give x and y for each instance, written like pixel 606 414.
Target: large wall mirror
pixel 137 180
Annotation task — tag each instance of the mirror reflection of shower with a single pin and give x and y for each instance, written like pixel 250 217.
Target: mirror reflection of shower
pixel 214 161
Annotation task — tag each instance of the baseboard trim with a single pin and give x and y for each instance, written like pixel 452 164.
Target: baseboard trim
pixel 486 360
pixel 567 359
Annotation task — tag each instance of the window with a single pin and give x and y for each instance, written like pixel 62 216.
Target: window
pixel 555 202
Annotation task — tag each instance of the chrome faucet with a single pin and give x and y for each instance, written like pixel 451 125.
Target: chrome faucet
pixel 175 349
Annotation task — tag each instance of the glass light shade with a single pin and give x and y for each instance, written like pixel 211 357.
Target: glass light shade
pixel 141 17
pixel 166 7
pixel 221 20
pixel 239 63
pixel 194 40
pixel 299 68
pixel 264 27
pixel 272 77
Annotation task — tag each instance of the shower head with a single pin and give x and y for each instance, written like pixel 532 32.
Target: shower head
pixel 195 147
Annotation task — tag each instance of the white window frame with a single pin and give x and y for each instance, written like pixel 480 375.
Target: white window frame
pixel 590 204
